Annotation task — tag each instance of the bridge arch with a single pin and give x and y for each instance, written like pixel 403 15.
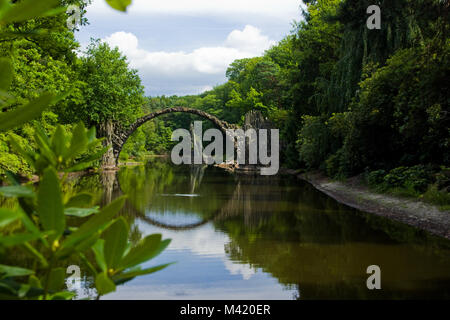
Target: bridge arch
pixel 121 137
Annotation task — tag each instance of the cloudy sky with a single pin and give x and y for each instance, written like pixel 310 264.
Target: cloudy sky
pixel 185 46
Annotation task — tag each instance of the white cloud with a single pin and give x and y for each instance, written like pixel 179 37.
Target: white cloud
pixel 270 8
pixel 204 241
pixel 199 69
pixel 248 40
pixel 205 88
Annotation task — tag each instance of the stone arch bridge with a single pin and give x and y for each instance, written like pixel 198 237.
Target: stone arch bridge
pixel 116 138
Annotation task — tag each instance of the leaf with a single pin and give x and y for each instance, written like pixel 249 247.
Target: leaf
pixel 17 192
pixel 34 281
pixel 116 239
pixel 127 276
pixel 56 279
pixel 87 243
pixel 37 254
pixel 11 119
pixel 91 135
pixel 6 71
pixel 4 5
pixel 16 239
pixel 87 162
pixel 99 249
pixel 23 290
pixel 59 141
pixel 63 295
pixel 6 99
pixel 27 9
pixel 104 284
pixel 13 178
pixel 54 12
pixel 95 223
pixel 80 212
pixel 80 200
pixel 8 271
pixel 147 249
pixel 78 143
pixel 50 205
pixel 120 5
pixel 8 216
pixel 12 35
pixel 10 289
pixel 29 224
pixel 44 146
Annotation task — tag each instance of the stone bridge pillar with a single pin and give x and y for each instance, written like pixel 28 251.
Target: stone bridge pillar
pixel 254 119
pixel 107 132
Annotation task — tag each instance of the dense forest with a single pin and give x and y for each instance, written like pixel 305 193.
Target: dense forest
pixel 349 100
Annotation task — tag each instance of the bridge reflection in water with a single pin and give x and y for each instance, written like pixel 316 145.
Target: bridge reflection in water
pixel 268 238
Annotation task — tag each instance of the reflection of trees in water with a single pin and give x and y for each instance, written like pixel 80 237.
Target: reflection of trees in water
pixel 197 173
pixel 156 188
pixel 111 188
pixel 306 239
pixel 252 204
pixel 323 270
pixel 300 236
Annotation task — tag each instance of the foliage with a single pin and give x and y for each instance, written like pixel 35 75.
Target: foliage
pixel 313 142
pixel 19 12
pixel 404 104
pixel 113 90
pixel 417 177
pixel 427 183
pixel 46 235
pixel 348 99
pixel 119 4
pixel 375 178
pixel 438 197
pixel 378 99
pixel 9 160
pixel 40 225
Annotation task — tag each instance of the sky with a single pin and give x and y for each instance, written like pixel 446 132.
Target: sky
pixel 182 47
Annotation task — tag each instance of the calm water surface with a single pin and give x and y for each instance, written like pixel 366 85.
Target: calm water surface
pixel 242 237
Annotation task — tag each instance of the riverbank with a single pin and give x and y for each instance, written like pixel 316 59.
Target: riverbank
pixel 356 195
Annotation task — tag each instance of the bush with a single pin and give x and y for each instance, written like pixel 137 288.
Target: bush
pixel 375 178
pixel 44 227
pixel 414 181
pixel 337 165
pixel 10 161
pixel 124 156
pixel 437 197
pixel 418 178
pixel 443 179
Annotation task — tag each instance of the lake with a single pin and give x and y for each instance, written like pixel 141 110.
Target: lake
pixel 255 237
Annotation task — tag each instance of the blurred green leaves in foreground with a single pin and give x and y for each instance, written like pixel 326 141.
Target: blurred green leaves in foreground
pixel 50 227
pixel 41 227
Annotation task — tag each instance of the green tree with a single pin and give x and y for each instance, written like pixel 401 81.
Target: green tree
pixel 113 95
